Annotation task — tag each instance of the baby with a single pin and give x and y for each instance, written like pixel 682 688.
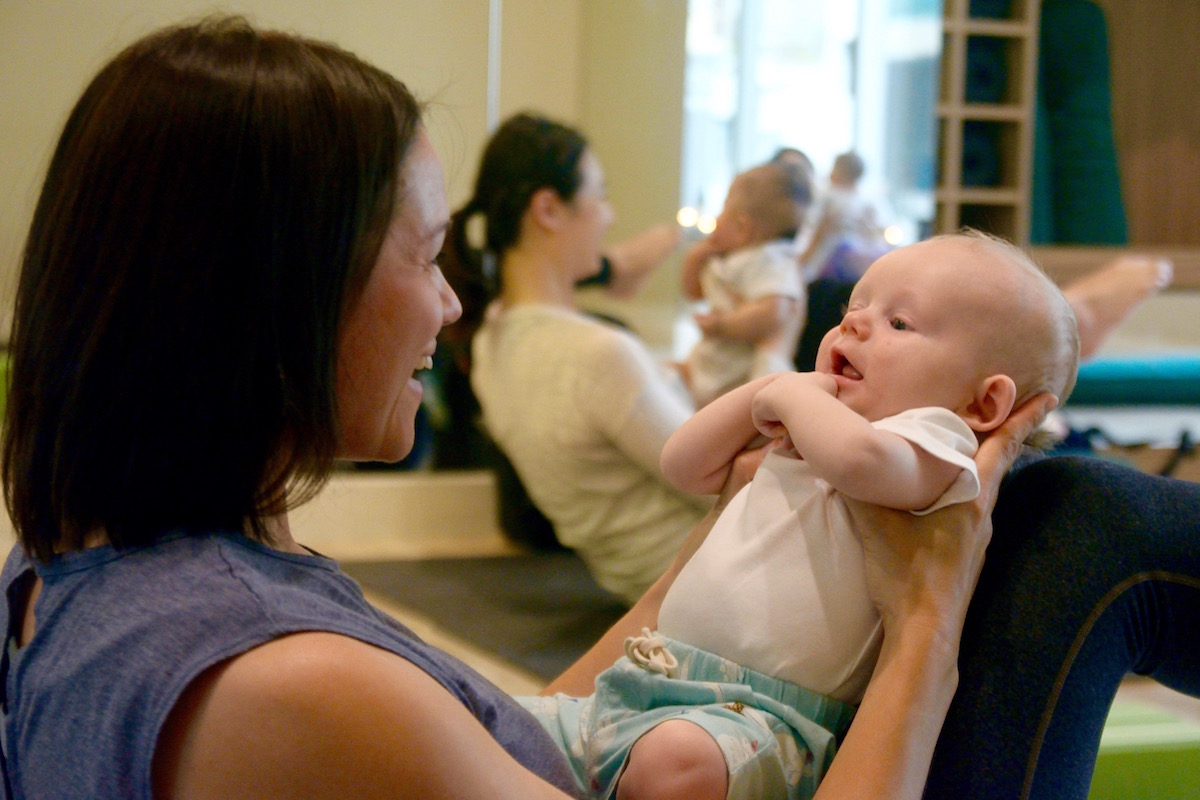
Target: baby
pixel 746 271
pixel 767 638
pixel 846 235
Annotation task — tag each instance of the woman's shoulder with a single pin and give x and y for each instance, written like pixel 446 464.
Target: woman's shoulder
pixel 150 630
pixel 539 317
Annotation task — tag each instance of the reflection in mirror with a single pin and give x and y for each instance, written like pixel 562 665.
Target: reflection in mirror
pixel 823 76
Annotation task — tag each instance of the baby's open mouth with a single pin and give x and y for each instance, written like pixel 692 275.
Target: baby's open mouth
pixel 842 366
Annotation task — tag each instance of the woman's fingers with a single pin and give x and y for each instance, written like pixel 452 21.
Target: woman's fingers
pixel 927 566
pixel 999 450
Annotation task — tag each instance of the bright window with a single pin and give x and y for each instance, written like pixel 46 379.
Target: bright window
pixel 824 76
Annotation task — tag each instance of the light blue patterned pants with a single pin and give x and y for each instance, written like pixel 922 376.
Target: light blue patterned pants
pixel 778 739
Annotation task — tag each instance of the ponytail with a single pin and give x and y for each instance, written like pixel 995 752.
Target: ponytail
pixel 526 154
pixel 470 271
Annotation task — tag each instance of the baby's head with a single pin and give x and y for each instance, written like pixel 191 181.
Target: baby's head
pixel 847 169
pixel 962 321
pixel 764 203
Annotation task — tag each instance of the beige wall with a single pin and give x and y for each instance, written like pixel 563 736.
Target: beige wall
pixel 632 81
pixel 615 68
pixel 541 58
pixel 49 49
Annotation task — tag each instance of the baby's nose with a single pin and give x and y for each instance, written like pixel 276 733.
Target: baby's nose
pixel 854 322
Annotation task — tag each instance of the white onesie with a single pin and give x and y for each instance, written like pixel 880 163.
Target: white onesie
pixel 779 585
pixel 717 364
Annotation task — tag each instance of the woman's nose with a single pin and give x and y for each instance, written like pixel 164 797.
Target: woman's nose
pixel 451 305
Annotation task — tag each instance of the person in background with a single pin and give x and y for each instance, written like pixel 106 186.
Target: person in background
pixel 796 156
pixel 459 437
pixel 579 405
pixel 846 234
pixel 745 271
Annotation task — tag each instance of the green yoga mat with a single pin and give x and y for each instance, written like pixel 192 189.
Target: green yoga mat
pixel 1147 753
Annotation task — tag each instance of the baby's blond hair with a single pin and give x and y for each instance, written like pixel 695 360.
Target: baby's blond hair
pixel 775 196
pixel 1039 340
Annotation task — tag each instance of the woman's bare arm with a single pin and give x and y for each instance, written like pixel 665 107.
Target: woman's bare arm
pixel 921 573
pixel 691 267
pixel 318 715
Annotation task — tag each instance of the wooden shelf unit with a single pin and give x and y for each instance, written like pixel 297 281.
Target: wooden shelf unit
pixel 986 131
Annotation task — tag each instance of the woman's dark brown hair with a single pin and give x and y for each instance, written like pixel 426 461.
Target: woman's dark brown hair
pixel 216 201
pixel 525 154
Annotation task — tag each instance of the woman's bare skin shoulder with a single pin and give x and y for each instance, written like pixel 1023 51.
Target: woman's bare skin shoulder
pixel 318 715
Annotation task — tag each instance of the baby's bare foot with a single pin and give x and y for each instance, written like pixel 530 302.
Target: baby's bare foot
pixel 1104 298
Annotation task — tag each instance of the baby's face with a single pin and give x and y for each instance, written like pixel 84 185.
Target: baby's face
pixel 920 329
pixel 734 228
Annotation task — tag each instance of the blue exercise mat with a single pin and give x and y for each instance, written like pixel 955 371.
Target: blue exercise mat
pixel 1142 379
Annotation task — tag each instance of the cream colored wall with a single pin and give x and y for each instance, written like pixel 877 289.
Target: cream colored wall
pixel 614 68
pixel 541 58
pixel 634 56
pixel 49 49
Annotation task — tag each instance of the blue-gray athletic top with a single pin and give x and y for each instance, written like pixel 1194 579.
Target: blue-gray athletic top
pixel 120 634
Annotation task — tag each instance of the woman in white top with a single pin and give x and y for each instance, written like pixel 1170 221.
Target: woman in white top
pixel 579 405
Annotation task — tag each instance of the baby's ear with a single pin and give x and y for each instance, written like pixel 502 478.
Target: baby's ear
pixel 993 401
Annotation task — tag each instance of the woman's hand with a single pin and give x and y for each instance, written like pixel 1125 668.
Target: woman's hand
pixel 923 570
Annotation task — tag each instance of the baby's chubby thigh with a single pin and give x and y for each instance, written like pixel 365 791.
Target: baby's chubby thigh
pixel 768 748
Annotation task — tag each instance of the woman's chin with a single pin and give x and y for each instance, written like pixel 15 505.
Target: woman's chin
pixel 393 452
pixel 387 451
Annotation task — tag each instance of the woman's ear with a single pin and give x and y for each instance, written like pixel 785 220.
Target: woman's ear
pixel 993 402
pixel 546 208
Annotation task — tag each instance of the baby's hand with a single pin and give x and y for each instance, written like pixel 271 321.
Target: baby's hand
pixel 769 402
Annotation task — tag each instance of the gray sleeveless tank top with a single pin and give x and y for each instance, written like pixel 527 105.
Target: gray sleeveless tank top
pixel 120 634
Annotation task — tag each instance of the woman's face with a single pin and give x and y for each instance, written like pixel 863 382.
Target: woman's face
pixel 391 332
pixel 591 215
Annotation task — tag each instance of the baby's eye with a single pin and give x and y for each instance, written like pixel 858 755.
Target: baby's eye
pixel 899 324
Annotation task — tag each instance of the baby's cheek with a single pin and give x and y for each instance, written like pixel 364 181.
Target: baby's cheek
pixel 823 362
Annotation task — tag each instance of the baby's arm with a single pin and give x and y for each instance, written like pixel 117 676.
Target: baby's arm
pixel 699 454
pixel 691 267
pixel 842 447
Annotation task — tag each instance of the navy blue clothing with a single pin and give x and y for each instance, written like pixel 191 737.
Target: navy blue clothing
pixel 1093 572
pixel 120 634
